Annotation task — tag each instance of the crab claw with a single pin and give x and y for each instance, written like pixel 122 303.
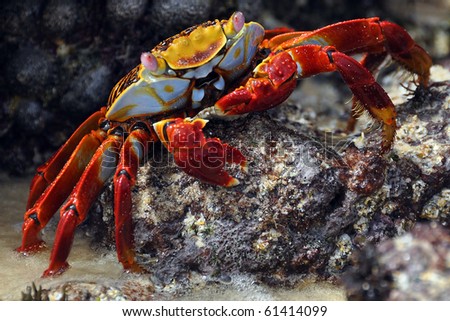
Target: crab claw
pixel 273 82
pixel 198 156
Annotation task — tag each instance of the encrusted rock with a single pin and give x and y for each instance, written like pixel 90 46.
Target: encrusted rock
pixel 414 266
pixel 306 203
pixel 294 215
pixel 302 208
pixel 438 208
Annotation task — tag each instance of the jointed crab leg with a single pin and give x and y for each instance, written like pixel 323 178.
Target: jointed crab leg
pixel 277 76
pixel 99 170
pixel 50 170
pixel 369 94
pixel 371 61
pixel 371 36
pixel 303 54
pixel 132 154
pixel 363 36
pixel 37 217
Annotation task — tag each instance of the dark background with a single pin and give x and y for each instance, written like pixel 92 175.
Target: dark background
pixel 59 59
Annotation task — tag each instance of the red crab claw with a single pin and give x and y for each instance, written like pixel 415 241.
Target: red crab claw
pixel 304 54
pixel 200 157
pixel 270 85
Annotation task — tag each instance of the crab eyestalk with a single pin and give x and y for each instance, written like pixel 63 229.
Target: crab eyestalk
pixel 156 66
pixel 234 24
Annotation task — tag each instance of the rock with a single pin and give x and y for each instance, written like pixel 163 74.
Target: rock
pixel 298 211
pixel 181 14
pixel 30 116
pixel 438 208
pixel 190 226
pixel 296 214
pixel 85 90
pixel 414 266
pixel 309 14
pixel 20 19
pixel 31 70
pixel 306 204
pixel 60 17
pixel 91 291
pixel 123 12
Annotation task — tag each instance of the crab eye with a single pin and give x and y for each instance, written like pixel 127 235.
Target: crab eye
pixel 234 24
pixel 149 61
pixel 238 21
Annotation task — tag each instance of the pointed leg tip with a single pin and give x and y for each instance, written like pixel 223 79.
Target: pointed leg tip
pixel 233 182
pixel 31 249
pixel 55 271
pixel 134 268
pixel 386 148
pixel 244 167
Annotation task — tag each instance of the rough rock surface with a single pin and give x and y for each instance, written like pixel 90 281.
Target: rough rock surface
pixel 258 226
pixel 414 266
pixel 303 208
pixel 310 199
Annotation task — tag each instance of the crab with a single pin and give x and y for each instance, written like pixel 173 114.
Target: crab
pixel 215 69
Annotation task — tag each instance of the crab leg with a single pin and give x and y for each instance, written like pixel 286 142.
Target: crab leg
pixel 368 93
pixel 371 36
pixel 50 170
pixel 275 78
pixel 364 36
pixel 371 61
pixel 99 170
pixel 132 154
pixel 198 156
pixel 37 217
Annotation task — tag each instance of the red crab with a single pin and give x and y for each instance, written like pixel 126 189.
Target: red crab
pixel 218 68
